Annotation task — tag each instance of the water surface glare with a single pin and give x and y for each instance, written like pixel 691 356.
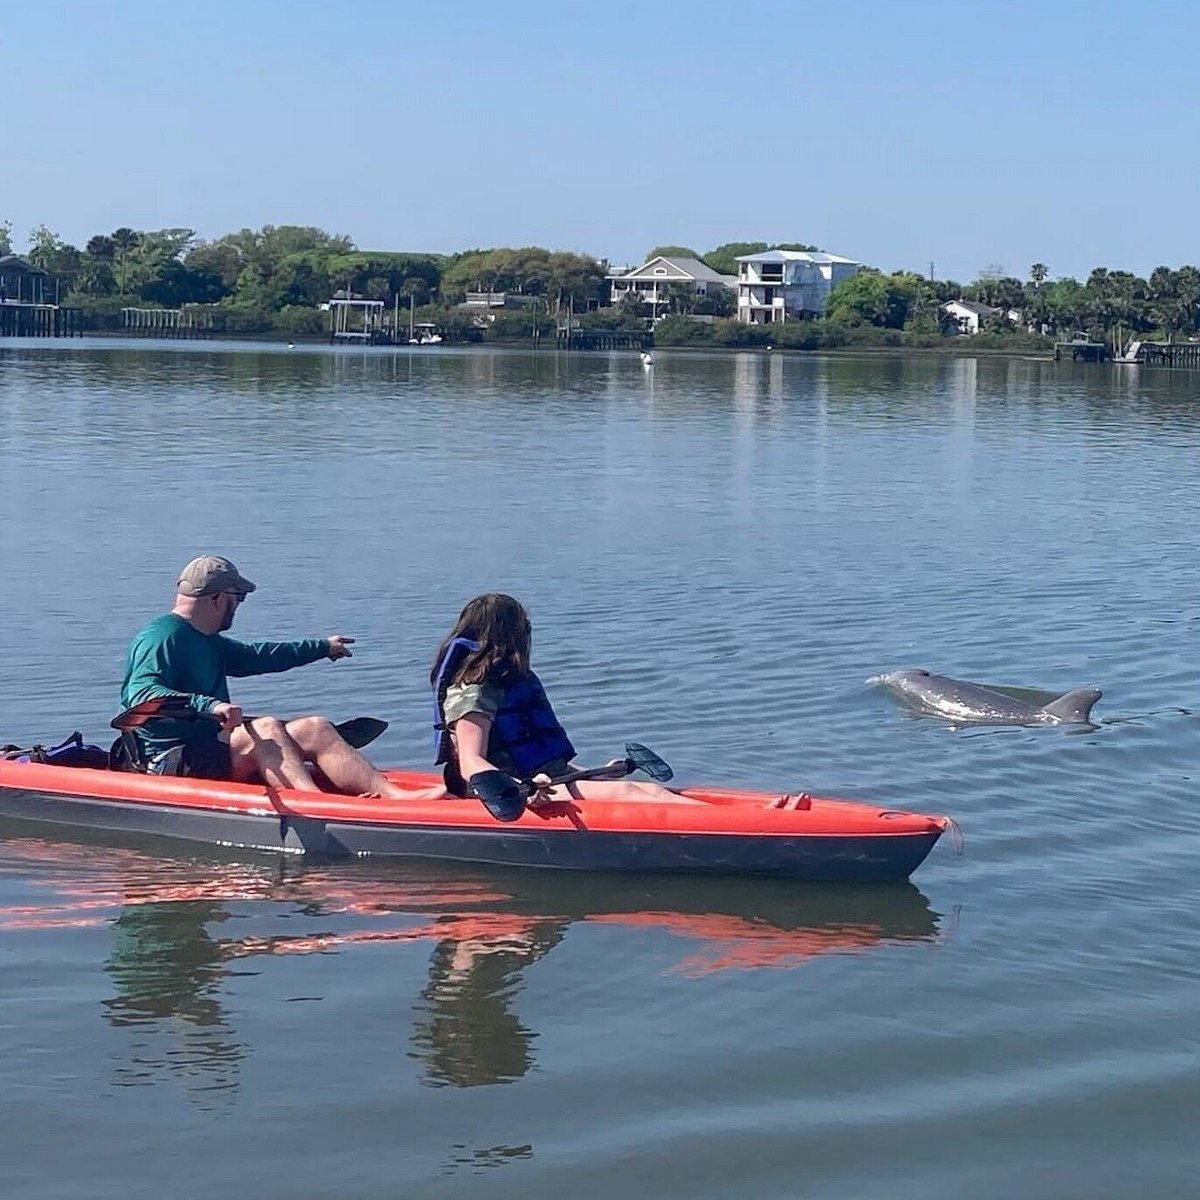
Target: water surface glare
pixel 717 552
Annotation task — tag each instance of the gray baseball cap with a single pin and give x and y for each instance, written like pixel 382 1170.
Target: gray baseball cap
pixel 210 574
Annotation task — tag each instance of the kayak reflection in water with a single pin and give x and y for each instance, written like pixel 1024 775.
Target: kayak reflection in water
pixel 184 655
pixel 168 971
pixel 491 712
pixel 182 929
pixel 463 1030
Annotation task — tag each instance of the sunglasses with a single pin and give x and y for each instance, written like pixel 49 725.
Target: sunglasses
pixel 239 596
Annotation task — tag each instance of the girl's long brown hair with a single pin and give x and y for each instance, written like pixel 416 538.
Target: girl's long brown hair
pixel 501 626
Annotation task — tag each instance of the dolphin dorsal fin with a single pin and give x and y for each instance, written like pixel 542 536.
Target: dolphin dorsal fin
pixel 1075 706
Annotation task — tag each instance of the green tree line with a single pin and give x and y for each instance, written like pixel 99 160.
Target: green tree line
pixel 275 278
pixel 1168 302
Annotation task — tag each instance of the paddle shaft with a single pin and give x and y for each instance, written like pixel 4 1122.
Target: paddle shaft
pixel 637 758
pixel 505 797
pixel 613 771
pixel 356 732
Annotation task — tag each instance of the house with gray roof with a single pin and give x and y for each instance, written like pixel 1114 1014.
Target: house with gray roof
pixel 786 285
pixel 652 281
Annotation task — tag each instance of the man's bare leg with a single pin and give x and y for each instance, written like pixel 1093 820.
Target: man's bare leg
pixel 346 769
pixel 263 750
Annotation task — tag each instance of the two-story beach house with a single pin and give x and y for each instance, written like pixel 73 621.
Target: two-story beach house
pixel 786 285
pixel 652 281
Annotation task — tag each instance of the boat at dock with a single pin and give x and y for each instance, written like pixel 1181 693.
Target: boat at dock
pixel 424 333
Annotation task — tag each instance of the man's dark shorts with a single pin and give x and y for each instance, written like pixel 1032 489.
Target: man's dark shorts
pixel 208 760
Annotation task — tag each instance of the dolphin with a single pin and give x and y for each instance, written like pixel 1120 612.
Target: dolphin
pixel 976 703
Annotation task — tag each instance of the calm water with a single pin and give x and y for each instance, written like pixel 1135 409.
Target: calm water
pixel 717 554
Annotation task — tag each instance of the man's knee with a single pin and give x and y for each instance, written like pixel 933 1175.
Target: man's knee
pixel 256 744
pixel 270 729
pixel 313 733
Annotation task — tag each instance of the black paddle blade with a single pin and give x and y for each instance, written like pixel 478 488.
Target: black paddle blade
pixel 502 795
pixel 647 762
pixel 361 731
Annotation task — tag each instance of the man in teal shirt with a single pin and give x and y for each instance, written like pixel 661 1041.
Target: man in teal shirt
pixel 183 654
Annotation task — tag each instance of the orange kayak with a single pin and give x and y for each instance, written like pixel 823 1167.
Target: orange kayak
pixel 716 831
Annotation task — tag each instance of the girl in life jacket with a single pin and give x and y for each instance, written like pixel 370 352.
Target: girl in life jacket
pixel 491 711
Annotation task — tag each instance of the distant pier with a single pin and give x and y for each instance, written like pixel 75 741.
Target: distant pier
pixel 574 338
pixel 1081 351
pixel 167 322
pixel 23 319
pixel 29 303
pixel 1170 354
pixel 1184 355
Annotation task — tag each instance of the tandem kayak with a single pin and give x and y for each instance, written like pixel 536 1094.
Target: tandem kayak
pixel 721 832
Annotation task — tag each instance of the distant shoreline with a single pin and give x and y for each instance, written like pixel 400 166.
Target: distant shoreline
pixel 958 348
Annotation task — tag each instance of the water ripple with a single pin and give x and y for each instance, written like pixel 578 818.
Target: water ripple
pixel 717 556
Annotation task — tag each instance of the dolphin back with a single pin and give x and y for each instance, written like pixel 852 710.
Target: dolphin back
pixel 1075 707
pixel 959 699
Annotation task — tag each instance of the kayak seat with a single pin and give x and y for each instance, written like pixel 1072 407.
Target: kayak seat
pixel 126 755
pixel 792 802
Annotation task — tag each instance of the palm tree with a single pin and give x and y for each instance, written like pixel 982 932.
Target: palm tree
pixel 124 241
pixel 1038 273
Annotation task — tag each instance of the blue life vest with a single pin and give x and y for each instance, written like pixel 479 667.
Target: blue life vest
pixel 527 729
pixel 525 726
pixel 458 649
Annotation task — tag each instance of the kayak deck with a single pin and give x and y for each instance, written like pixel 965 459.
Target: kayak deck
pixel 712 830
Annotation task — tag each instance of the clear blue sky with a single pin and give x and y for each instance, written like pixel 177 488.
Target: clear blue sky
pixel 897 132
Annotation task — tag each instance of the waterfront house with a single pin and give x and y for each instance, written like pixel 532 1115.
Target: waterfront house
pixel 785 285
pixel 966 316
pixel 652 281
pixel 23 283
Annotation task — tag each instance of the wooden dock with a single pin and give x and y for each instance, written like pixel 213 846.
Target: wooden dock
pixel 167 322
pixel 1182 355
pixel 1171 354
pixel 19 318
pixel 1081 351
pixel 574 338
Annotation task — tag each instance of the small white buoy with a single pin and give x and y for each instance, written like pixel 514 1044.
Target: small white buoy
pixel 291 345
pixel 647 359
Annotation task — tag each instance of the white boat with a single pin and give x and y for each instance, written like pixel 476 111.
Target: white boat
pixel 1129 354
pixel 423 334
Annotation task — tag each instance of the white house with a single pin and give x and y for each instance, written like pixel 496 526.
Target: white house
pixel 781 285
pixel 968 315
pixel 653 280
